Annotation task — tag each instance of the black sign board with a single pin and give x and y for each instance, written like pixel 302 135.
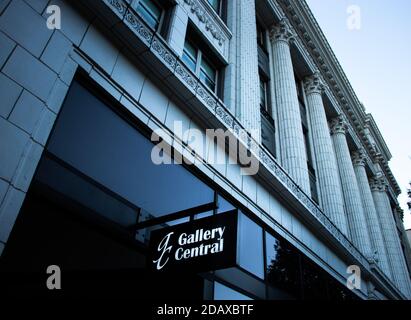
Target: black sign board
pixel 200 245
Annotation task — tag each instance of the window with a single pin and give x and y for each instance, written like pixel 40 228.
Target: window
pixel 151 12
pixel 310 164
pixel 208 74
pixel 251 246
pixel 219 7
pixel 200 64
pixel 283 267
pixel 299 88
pixel 263 95
pixel 222 292
pixel 223 205
pixel 267 122
pixel 155 13
pixel 83 138
pixel 190 54
pixel 314 281
pixel 216 4
pixel 261 40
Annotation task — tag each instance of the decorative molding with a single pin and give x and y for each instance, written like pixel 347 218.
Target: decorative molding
pixel 211 26
pixel 120 6
pixel 130 18
pixel 282 32
pixel 378 184
pixel 314 84
pixel 338 125
pixel 359 158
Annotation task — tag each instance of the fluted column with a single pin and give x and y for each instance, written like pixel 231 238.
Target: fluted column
pixel 292 147
pixel 372 221
pixel 248 86
pixel 327 171
pixel 394 251
pixel 352 198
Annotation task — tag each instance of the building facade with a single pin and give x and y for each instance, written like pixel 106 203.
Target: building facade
pixel 84 84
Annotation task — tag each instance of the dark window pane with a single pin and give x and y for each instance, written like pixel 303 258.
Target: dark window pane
pixel 151 12
pixel 215 4
pixel 261 37
pixel 251 246
pixel 339 292
pixel 208 74
pixel 263 94
pixel 314 281
pixel 85 193
pixel 203 215
pixel 268 134
pixel 283 269
pixel 207 81
pixel 190 56
pixel 94 139
pixel 208 69
pixel 224 205
pixel 222 292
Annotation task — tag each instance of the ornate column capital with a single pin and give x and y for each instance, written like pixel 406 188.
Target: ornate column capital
pixel 282 31
pixel 314 83
pixel 359 158
pixel 338 125
pixel 378 184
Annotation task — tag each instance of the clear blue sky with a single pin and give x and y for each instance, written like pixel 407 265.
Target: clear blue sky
pixel 377 61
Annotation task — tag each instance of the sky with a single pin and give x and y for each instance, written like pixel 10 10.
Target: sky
pixel 372 41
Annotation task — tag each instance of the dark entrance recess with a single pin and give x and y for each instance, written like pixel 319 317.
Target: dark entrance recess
pixel 96 261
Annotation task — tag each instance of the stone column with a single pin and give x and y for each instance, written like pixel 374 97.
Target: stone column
pixel 352 198
pixel 374 228
pixel 394 251
pixel 248 83
pixel 331 195
pixel 292 147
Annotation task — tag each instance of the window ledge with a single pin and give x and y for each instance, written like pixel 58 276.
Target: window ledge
pixel 197 5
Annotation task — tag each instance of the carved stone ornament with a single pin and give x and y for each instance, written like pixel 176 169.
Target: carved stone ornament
pixel 204 17
pixel 282 32
pixel 359 158
pixel 314 84
pixel 338 125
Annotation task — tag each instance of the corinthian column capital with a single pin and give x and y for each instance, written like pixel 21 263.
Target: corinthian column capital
pixel 314 83
pixel 378 184
pixel 359 157
pixel 338 125
pixel 282 32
